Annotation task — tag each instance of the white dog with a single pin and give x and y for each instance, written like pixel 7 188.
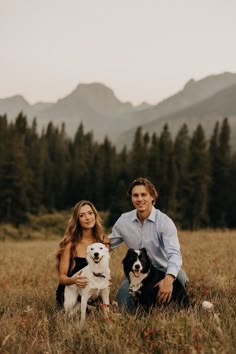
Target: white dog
pixel 98 273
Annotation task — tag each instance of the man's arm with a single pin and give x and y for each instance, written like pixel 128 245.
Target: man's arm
pixel 174 260
pixel 115 237
pixel 172 247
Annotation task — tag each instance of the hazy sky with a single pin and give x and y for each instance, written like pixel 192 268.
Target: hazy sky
pixel 145 50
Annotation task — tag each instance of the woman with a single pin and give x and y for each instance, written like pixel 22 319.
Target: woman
pixel 84 228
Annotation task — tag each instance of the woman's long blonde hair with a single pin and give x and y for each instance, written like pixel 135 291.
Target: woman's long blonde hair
pixel 74 232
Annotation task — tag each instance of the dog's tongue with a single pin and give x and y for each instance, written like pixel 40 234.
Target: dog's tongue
pixel 137 273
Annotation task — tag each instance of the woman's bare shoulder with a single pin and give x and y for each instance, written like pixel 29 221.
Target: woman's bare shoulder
pixel 67 247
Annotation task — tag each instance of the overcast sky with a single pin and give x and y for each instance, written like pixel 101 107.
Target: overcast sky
pixel 145 50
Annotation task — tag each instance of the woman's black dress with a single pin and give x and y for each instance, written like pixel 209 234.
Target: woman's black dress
pixel 80 263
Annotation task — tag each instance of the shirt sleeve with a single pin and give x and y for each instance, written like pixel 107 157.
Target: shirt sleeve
pixel 115 237
pixel 172 247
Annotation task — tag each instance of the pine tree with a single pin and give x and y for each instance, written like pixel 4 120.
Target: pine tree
pixel 231 202
pixel 123 165
pixel 104 184
pixel 223 173
pixel 172 183
pixel 61 166
pixel 139 154
pixel 109 172
pixel 197 211
pixel 221 161
pixel 3 136
pixel 33 154
pixel 153 169
pixel 181 152
pixel 167 179
pixel 120 201
pixel 81 173
pixel 214 206
pixel 14 202
pixel 55 161
pixel 4 151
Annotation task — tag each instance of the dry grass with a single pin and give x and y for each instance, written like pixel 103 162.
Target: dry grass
pixel 31 323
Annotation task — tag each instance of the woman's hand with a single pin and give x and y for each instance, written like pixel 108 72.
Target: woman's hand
pixel 80 280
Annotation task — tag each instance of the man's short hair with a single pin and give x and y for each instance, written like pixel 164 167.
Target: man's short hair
pixel 141 181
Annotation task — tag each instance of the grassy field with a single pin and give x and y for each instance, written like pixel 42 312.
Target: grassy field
pixel 30 322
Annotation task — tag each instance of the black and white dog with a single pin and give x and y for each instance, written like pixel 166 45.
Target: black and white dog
pixel 98 273
pixel 143 276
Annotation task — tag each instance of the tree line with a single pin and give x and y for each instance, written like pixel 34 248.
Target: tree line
pixel 195 176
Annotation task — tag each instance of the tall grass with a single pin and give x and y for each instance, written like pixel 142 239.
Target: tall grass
pixel 31 322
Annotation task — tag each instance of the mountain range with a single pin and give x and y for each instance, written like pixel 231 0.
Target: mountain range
pixel 205 101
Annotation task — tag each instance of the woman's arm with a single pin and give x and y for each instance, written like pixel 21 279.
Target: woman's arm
pixel 64 267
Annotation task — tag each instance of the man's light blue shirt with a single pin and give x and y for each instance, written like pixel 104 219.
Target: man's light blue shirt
pixel 157 234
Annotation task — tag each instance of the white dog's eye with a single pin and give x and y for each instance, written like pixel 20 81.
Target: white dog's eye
pixel 91 249
pixel 101 248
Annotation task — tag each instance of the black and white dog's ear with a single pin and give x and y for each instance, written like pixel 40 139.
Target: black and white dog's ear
pixel 127 262
pixel 130 251
pixel 145 253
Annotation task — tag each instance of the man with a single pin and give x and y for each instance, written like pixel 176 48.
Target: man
pixel 148 227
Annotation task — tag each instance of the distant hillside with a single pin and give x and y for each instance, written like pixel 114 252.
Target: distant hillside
pixel 13 105
pixel 206 112
pixel 193 92
pixel 103 113
pixel 93 104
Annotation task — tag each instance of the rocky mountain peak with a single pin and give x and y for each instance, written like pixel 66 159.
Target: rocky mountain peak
pixel 189 84
pixel 95 90
pixel 101 98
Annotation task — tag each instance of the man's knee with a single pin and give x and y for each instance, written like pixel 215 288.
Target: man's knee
pixel 183 278
pixel 123 298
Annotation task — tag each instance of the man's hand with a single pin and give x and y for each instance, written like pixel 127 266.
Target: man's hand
pixel 165 289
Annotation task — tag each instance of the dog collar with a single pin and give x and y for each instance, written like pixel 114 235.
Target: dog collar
pixel 99 275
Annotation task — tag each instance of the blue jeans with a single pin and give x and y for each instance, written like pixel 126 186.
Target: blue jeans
pixel 125 300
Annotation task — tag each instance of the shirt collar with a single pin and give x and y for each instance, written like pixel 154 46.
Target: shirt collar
pixel 151 217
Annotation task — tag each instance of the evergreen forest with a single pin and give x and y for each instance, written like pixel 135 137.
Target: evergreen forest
pixel 195 176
